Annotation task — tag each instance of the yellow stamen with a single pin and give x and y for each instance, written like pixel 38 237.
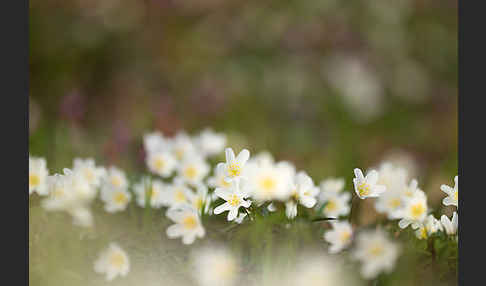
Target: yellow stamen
pixel 190 172
pixel 423 233
pixel 180 196
pixel 234 200
pixel 364 189
pixel 198 203
pixel 234 170
pixel 394 203
pixel 34 180
pixel 154 193
pixel 159 164
pixel 268 184
pixel 417 210
pixel 89 174
pixel 189 222
pixel 117 259
pixel 120 198
pixel 116 181
pixel 330 206
pixel 376 250
pixel 345 236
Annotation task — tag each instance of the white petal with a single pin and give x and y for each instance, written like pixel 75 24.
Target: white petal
pixel 403 223
pixel 358 174
pixel 175 230
pixel 222 208
pixel 230 155
pixel 243 157
pixel 232 214
pixel 372 177
pixel 308 202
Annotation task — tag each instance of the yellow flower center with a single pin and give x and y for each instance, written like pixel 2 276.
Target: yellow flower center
pixel 268 184
pixel 34 180
pixel 364 189
pixel 376 250
pixel 417 210
pixel 198 203
pixel 159 164
pixel 345 236
pixel 190 172
pixel 234 170
pixel 331 206
pixel 179 154
pixel 154 194
pixel 456 196
pixel 116 181
pixel 394 203
pixel 117 260
pixel 89 174
pixel 180 196
pixel 223 183
pixel 189 222
pixel 234 200
pixel 423 233
pixel 120 198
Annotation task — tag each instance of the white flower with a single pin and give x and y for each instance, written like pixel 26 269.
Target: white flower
pixel 155 142
pixel 115 178
pixel 233 168
pixel 112 261
pixel 303 192
pixel 430 226
pixel 71 193
pixel 218 179
pixel 390 203
pixel 193 169
pixel 161 163
pixel 67 191
pixel 87 168
pixel 270 181
pixel 410 190
pixel 38 176
pixel 336 204
pixel 376 252
pixel 367 187
pixel 215 266
pixel 450 226
pixel 452 193
pixel 200 200
pixel 332 185
pixel 262 158
pixel 150 189
pixel 234 198
pixel 210 143
pixel 339 237
pixel 182 146
pixel 177 194
pixel 414 211
pixel 391 177
pixel 115 199
pixel 187 224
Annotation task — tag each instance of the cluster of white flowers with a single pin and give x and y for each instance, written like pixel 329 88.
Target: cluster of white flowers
pixel 182 182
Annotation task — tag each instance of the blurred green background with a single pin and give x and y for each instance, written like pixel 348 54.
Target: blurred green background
pixel 328 85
